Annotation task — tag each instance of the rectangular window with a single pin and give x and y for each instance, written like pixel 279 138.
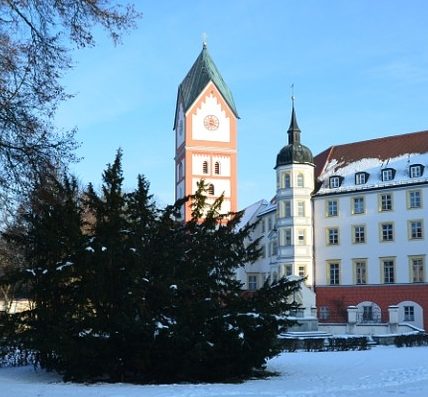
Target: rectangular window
pixel 263 226
pixel 368 314
pixel 252 282
pixel 387 232
pixel 358 206
pixel 287 237
pixel 333 236
pixel 416 230
pixel 414 199
pixel 302 271
pixel 334 273
pixel 388 271
pixel 385 202
pixel 359 234
pixel 417 269
pixel 287 181
pixel 301 237
pixel 301 208
pixel 287 209
pixel 288 270
pixel 360 178
pixel 274 248
pixel 324 313
pixel 300 180
pixel 415 171
pixel 387 175
pixel 334 182
pixel 409 313
pixel 360 268
pixel 332 208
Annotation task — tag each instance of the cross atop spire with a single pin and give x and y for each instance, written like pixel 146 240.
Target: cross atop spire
pixel 204 40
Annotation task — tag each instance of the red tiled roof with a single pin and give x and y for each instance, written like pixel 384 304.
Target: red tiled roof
pixel 381 148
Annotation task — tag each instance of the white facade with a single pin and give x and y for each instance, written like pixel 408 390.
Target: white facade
pixel 373 237
pixel 362 221
pixel 295 184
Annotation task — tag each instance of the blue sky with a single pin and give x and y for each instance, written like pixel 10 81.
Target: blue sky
pixel 360 71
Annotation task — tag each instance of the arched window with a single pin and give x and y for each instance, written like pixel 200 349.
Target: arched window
pixel 217 168
pixel 300 180
pixel 205 167
pixel 287 181
pixel 211 189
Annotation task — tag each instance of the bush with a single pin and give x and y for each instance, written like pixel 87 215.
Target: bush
pixel 287 344
pixel 348 343
pixel 420 339
pixel 314 345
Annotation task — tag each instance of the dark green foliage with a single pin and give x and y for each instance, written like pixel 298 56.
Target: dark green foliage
pixel 142 297
pixel 420 339
pixel 314 345
pixel 348 343
pixel 324 344
pixel 50 225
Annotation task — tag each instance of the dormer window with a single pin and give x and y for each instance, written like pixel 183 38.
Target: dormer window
pixel 416 170
pixel 334 182
pixel 388 174
pixel 361 178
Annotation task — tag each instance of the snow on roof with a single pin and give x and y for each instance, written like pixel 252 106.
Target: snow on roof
pixel 251 212
pixel 381 148
pixel 373 166
pixel 269 208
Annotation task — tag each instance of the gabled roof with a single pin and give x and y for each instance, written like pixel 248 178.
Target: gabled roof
pixel 380 148
pixel 372 156
pixel 200 74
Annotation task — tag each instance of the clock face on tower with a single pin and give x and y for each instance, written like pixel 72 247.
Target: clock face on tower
pixel 211 122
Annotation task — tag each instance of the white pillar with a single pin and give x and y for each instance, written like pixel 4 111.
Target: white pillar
pixel 352 314
pixel 352 319
pixel 393 318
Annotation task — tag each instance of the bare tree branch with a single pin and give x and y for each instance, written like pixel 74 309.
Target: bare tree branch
pixel 36 37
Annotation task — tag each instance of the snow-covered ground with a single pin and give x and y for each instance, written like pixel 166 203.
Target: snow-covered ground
pixel 380 372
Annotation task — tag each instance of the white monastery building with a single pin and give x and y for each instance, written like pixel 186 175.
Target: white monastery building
pixel 351 220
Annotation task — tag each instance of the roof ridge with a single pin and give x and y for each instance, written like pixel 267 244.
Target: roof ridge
pixel 330 152
pixel 396 136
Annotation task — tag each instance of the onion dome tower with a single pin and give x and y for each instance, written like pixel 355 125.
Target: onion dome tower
pixel 295 184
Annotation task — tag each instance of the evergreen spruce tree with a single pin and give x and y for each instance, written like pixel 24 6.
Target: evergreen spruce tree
pixel 125 292
pixel 50 225
pixel 106 282
pixel 212 331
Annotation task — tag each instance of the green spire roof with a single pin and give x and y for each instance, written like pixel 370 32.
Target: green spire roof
pixel 201 73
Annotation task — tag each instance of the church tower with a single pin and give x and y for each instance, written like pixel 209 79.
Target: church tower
pixel 205 128
pixel 295 184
